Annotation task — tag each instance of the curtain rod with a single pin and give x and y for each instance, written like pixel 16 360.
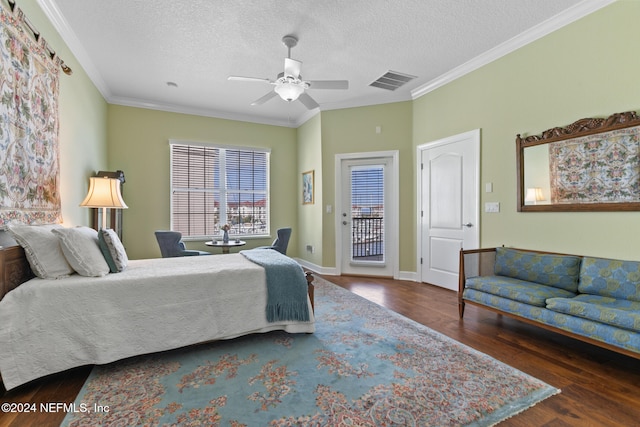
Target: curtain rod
pixel 36 35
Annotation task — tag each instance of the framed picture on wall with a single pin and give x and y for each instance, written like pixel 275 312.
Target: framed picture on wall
pixel 307 187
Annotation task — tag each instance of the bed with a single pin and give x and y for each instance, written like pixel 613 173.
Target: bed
pixel 51 325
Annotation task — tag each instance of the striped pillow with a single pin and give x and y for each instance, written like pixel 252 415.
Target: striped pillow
pixel 112 250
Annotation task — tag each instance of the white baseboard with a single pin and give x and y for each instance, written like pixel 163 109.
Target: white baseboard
pixel 410 276
pixel 326 271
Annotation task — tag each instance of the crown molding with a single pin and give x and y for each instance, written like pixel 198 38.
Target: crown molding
pixel 568 16
pixel 52 12
pixel 181 109
pixel 205 112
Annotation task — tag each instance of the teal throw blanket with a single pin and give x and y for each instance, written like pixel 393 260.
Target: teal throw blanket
pixel 286 285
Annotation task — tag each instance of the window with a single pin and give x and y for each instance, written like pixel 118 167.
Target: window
pixel 215 185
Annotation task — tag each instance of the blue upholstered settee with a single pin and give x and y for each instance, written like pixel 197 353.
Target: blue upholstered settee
pixel 595 300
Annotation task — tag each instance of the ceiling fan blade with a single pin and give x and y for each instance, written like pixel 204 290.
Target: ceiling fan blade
pixel 264 99
pixel 328 84
pixel 308 101
pixel 248 79
pixel 292 68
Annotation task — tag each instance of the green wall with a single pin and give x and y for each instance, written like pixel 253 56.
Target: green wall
pixel 353 130
pixel 586 69
pixel 83 124
pixel 139 145
pixel 310 215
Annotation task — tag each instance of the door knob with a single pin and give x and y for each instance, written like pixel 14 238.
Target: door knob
pixel 467 225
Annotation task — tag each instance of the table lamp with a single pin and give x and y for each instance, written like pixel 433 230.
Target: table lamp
pixel 104 193
pixel 534 195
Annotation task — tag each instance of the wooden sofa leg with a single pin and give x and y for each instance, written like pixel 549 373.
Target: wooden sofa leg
pixel 311 289
pixel 461 308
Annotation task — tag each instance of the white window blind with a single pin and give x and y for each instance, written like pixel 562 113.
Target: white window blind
pixel 215 185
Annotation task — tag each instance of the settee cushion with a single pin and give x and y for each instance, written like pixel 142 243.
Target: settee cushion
pixel 516 289
pixel 560 271
pixel 598 331
pixel 615 312
pixel 610 278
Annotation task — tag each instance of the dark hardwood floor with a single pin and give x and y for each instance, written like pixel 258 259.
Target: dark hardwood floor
pixel 599 387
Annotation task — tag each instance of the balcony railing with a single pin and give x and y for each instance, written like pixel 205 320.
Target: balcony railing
pixel 367 237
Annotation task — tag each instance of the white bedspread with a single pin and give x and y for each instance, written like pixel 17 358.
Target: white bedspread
pixel 48 326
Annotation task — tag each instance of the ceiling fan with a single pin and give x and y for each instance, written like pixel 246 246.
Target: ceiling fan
pixel 289 84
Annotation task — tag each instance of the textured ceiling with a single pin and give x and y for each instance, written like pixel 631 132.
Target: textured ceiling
pixel 132 48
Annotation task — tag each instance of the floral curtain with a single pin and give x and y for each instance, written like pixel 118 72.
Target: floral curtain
pixel 600 168
pixel 29 163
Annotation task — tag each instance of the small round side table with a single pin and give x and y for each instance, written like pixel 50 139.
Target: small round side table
pixel 225 246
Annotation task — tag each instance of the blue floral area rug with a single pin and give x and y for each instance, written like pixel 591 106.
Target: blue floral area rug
pixel 365 366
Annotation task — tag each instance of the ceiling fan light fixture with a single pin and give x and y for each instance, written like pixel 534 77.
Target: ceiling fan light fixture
pixel 289 91
pixel 289 84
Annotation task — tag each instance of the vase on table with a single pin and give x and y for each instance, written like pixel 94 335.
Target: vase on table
pixel 225 236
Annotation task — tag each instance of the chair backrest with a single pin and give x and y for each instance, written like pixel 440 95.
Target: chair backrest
pixel 170 243
pixel 282 241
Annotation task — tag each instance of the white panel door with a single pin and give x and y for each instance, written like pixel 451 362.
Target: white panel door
pixel 449 206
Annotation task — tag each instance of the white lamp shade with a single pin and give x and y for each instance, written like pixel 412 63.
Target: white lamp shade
pixel 534 194
pixel 289 91
pixel 104 193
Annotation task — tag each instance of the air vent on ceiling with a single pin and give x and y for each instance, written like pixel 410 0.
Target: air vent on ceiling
pixel 392 80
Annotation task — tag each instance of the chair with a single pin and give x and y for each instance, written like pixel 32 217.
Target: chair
pixel 171 245
pixel 281 242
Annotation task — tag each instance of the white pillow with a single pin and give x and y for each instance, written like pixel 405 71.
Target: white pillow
pixel 113 250
pixel 42 248
pixel 80 248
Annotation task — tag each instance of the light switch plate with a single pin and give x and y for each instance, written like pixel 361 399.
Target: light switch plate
pixel 492 207
pixel 488 187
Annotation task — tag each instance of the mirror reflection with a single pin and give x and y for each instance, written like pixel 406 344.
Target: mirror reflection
pixel 537 183
pixel 592 164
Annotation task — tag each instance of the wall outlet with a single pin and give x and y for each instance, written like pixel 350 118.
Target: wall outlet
pixel 311 249
pixel 492 207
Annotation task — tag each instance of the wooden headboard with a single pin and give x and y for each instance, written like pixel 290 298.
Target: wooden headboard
pixel 14 268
